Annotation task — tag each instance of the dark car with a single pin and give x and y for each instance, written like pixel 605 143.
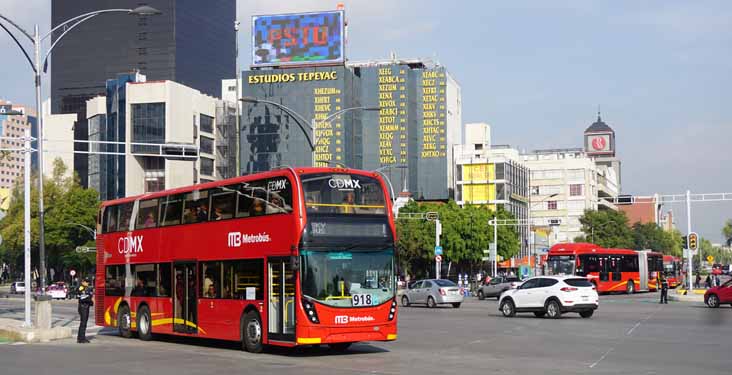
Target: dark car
pixel 496 286
pixel 719 295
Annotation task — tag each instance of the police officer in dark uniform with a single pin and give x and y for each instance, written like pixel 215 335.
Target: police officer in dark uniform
pixel 662 282
pixel 85 295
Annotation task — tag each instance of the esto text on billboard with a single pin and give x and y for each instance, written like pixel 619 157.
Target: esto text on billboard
pixel 303 38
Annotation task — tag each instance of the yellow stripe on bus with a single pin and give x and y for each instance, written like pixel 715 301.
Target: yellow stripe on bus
pixel 308 340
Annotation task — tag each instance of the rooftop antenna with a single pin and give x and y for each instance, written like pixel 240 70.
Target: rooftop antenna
pixel 598 113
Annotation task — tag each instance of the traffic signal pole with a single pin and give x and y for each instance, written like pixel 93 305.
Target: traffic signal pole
pixel 688 251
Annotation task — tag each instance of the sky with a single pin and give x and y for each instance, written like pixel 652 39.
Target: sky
pixel 537 72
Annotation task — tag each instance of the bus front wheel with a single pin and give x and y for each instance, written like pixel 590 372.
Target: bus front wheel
pixel 124 322
pixel 630 289
pixel 252 332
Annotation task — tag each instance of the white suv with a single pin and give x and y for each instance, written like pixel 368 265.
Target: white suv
pixel 551 296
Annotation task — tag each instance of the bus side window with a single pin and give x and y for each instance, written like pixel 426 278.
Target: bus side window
pixel 147 214
pixel 222 203
pixel 125 214
pixel 170 210
pixel 279 195
pixel 109 222
pixel 195 208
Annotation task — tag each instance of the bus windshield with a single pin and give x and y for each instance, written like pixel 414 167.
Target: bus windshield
pixel 332 193
pixel 348 278
pixel 560 265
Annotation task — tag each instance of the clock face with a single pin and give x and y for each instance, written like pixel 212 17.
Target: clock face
pixel 599 143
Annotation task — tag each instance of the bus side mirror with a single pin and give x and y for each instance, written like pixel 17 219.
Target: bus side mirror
pixel 294 263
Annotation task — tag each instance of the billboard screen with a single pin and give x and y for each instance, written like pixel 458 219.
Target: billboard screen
pixel 297 39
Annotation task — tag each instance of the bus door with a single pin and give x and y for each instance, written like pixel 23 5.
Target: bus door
pixel 644 269
pixel 185 309
pixel 281 299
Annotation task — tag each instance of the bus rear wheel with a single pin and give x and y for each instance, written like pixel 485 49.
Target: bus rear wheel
pixel 252 332
pixel 144 324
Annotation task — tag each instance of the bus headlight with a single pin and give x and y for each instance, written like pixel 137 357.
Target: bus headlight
pixel 310 311
pixel 392 311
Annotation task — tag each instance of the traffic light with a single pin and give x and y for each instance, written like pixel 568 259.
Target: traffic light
pixel 685 241
pixel 693 241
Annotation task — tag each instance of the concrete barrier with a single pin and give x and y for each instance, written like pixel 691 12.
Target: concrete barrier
pixel 14 330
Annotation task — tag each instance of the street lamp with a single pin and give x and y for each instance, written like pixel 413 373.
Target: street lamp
pixel 302 123
pixel 36 39
pixel 532 249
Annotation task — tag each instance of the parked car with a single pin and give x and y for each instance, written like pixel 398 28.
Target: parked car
pixel 433 292
pixel 58 290
pixel 718 295
pixel 551 296
pixel 496 286
pixel 17 287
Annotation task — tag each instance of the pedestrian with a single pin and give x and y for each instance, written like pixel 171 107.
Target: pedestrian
pixel 708 282
pixel 698 280
pixel 663 284
pixel 717 281
pixel 85 295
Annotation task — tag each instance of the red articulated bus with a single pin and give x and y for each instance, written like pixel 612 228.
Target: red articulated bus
pixel 672 269
pixel 611 270
pixel 287 257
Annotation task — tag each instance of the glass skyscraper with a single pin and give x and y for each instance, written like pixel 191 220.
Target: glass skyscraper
pixel 191 42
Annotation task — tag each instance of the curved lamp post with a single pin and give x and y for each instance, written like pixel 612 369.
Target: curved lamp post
pixel 302 123
pixel 36 39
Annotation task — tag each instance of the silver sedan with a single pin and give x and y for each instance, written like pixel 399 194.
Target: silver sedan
pixel 433 292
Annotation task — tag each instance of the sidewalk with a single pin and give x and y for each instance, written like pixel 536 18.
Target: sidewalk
pixel 681 295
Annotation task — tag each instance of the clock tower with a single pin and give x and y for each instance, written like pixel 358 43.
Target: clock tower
pixel 600 146
pixel 600 139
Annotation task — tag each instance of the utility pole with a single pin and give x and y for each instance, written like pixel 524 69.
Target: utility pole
pixel 438 232
pixel 26 226
pixel 688 250
pixel 238 104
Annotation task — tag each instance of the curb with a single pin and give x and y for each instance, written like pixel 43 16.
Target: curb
pixel 684 298
pixel 14 330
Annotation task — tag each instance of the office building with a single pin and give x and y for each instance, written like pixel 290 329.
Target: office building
pixel 166 135
pixel 410 139
pixel 12 162
pixel 191 42
pixel 492 175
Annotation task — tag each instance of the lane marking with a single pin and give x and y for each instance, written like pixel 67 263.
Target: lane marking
pixel 601 358
pixel 630 331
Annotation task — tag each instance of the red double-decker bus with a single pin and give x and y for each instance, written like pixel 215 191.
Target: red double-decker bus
pixel 672 269
pixel 611 270
pixel 288 257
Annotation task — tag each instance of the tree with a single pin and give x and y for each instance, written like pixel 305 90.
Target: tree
pixel 727 232
pixel 651 236
pixel 67 205
pixel 465 234
pixel 610 229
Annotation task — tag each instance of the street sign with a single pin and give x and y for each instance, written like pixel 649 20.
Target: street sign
pixel 431 216
pixel 710 259
pixel 438 250
pixel 438 258
pixel 693 241
pixel 491 247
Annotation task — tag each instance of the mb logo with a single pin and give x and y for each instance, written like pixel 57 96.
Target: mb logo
pixel 341 319
pixel 234 239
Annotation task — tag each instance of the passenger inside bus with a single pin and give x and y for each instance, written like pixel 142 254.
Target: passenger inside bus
pixel 211 292
pixel 139 289
pixel 348 201
pixel 257 208
pixel 149 220
pixel 202 213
